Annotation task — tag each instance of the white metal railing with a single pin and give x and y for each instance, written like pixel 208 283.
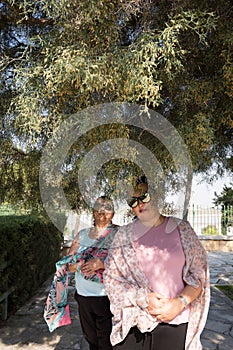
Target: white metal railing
pixel 204 220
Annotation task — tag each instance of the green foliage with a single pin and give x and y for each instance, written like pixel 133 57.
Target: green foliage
pixel 33 246
pixel 227 218
pixel 227 290
pixel 225 198
pixel 82 73
pixel 209 230
pixel 19 179
pixel 174 57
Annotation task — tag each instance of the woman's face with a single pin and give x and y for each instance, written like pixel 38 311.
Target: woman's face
pixel 144 211
pixel 103 212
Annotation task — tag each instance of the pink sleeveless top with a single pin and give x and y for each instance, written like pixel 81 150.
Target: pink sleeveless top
pixel 162 259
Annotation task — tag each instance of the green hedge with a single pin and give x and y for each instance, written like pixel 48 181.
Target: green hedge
pixel 32 245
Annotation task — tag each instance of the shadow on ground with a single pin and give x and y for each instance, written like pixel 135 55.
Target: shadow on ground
pixel 27 328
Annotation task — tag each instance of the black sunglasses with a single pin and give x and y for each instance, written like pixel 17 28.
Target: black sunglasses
pixel 105 206
pixel 134 201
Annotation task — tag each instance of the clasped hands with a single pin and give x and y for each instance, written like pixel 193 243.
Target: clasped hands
pixel 164 309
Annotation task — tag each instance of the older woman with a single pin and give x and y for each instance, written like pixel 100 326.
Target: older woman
pixel 156 277
pixel 92 245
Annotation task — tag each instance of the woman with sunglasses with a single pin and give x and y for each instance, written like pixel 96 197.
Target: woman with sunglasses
pixel 93 243
pixel 156 277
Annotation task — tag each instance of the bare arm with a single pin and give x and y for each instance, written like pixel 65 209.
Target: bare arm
pixel 74 246
pixel 190 293
pixel 73 249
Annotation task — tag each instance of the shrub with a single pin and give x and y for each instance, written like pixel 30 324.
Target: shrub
pixel 33 245
pixel 209 230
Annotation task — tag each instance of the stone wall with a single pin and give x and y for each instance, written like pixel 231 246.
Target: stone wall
pixel 210 243
pixel 217 243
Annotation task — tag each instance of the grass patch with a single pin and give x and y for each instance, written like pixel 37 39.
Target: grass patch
pixel 227 290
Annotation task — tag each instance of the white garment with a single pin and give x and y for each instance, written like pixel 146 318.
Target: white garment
pixel 83 286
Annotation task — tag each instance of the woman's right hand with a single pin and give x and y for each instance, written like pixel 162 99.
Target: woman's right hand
pixel 91 266
pixel 155 302
pixel 164 309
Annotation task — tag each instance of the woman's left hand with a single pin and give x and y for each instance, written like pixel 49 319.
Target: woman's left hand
pixel 167 309
pixel 89 267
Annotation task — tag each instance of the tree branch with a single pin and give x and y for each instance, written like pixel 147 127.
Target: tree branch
pixel 6 20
